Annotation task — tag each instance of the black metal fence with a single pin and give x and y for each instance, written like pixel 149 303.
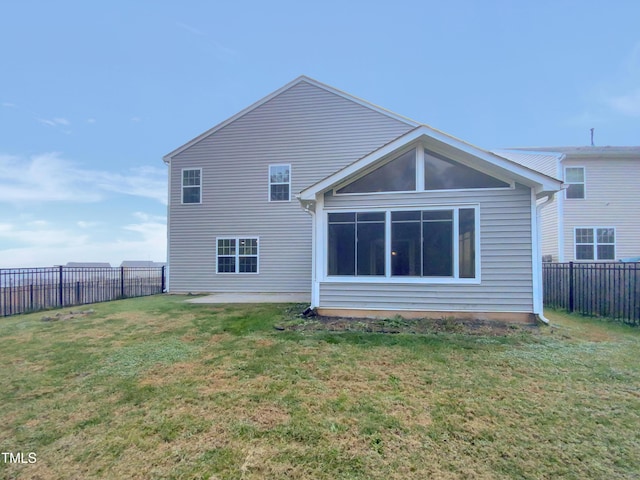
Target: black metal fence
pixel 597 289
pixel 25 290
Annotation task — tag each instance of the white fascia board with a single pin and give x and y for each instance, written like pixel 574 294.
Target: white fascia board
pixel 302 78
pixel 540 182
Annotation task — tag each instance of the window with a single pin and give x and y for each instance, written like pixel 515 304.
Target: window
pixel 396 176
pixel 279 183
pixel 443 174
pixel 356 243
pixel 421 170
pixel 595 243
pixel 574 178
pixel 191 185
pixel 237 255
pixel 413 243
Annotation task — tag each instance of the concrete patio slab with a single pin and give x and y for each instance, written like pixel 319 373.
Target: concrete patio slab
pixel 253 298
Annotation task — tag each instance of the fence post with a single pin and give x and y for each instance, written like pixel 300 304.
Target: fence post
pixel 121 282
pixel 571 289
pixel 60 289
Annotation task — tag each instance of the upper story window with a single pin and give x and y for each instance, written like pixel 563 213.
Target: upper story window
pixel 279 183
pixel 574 178
pixel 192 185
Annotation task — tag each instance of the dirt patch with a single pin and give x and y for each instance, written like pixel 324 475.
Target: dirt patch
pixel 67 315
pixel 415 326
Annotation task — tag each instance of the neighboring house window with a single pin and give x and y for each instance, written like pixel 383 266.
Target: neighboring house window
pixel 420 243
pixel 237 255
pixel 192 185
pixel 574 178
pixel 279 183
pixel 595 243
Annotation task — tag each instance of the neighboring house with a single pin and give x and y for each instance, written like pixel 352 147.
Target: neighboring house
pixel 88 265
pixel 597 217
pixel 141 264
pixel 395 217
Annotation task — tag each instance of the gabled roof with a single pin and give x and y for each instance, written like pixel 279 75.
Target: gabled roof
pixel 446 144
pixel 300 79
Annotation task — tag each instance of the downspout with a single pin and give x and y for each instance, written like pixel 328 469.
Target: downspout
pixel 310 208
pixel 538 253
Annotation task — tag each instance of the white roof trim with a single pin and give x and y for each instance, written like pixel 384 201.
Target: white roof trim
pixel 520 173
pixel 300 79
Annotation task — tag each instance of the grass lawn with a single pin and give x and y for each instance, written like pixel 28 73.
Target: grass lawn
pixel 157 388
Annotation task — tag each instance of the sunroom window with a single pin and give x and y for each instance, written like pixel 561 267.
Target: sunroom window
pixel 443 174
pixel 356 243
pixel 435 243
pixel 399 175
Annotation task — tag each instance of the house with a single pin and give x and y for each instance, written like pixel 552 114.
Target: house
pixel 313 190
pixel 597 217
pixel 141 264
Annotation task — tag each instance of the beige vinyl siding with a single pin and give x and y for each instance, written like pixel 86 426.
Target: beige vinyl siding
pixel 505 262
pixel 315 131
pixel 612 200
pixel 549 226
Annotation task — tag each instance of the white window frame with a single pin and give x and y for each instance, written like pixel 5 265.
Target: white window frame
pixel 237 255
pixel 594 231
pixel 583 182
pixel 387 277
pixel 288 165
pixel 183 186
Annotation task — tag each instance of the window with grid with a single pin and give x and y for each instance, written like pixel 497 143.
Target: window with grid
pixel 279 183
pixel 191 185
pixel 597 243
pixel 574 178
pixel 237 255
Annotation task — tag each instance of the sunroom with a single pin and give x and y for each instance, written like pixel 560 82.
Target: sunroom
pixel 427 225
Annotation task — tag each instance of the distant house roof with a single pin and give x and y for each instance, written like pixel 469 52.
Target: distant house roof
pixel 88 264
pixel 586 151
pixel 141 263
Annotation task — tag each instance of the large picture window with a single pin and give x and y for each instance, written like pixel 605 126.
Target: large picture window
pixel 438 243
pixel 237 255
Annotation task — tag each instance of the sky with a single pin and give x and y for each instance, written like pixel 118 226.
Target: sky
pixel 94 94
